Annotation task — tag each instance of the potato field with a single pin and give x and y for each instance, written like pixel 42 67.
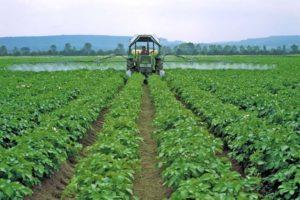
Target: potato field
pixel 194 134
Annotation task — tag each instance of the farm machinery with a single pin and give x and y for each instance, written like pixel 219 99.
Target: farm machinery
pixel 144 56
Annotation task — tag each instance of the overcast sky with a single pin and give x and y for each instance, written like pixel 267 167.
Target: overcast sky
pixel 188 20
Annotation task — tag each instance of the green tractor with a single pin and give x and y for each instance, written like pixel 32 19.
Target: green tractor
pixel 144 56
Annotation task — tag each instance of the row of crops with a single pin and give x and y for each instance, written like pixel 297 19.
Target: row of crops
pixel 187 153
pixel 257 118
pixel 108 170
pixel 277 102
pixel 51 129
pixel 27 99
pixel 198 115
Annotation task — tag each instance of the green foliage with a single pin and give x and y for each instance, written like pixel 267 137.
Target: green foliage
pixel 256 114
pixel 181 49
pixel 187 153
pixel 107 171
pixel 276 101
pixel 41 149
pixel 3 50
pixel 256 118
pixel 102 176
pixel 12 190
pixel 214 186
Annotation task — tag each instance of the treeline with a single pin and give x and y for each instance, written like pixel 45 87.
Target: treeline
pixel 68 50
pixel 200 49
pixel 182 49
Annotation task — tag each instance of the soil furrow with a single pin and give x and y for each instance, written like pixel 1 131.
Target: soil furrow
pixel 148 184
pixel 51 188
pixel 234 163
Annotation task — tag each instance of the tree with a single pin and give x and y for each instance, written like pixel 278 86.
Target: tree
pixel 234 50
pixel 178 51
pixel 249 50
pixel 74 51
pixel 67 49
pixel 186 49
pixel 243 50
pixel 53 50
pixel 219 49
pixel 120 50
pixel 16 51
pixel 3 50
pixel 255 50
pixel 198 48
pixel 279 51
pixel 166 50
pixel 87 48
pixel 100 52
pixel 204 50
pixel 227 50
pixel 212 50
pixel 294 49
pixel 38 53
pixel 284 49
pixel 25 51
pixel 265 51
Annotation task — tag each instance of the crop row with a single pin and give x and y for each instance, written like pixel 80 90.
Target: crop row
pixel 270 151
pixel 107 171
pixel 36 97
pixel 24 97
pixel 275 99
pixel 41 151
pixel 188 153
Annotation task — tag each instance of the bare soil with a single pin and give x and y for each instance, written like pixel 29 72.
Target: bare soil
pixel 52 187
pixel 148 184
pixel 235 166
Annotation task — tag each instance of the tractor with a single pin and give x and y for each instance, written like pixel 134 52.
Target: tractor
pixel 144 56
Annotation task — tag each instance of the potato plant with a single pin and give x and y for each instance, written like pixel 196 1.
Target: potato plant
pixel 187 153
pixel 41 150
pixel 107 171
pixel 265 149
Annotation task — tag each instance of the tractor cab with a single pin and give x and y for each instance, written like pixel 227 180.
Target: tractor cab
pixel 144 56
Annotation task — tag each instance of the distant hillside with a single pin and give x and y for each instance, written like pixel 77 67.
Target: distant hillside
pixel 104 42
pixel 270 42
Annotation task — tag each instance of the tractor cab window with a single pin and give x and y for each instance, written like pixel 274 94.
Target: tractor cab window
pixel 144 48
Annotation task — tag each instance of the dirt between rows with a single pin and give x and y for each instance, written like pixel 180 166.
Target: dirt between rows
pixel 235 166
pixel 148 184
pixel 52 187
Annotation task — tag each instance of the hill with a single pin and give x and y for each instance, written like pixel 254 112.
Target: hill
pixel 104 42
pixel 270 42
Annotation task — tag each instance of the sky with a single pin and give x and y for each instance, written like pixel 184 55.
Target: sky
pixel 186 20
